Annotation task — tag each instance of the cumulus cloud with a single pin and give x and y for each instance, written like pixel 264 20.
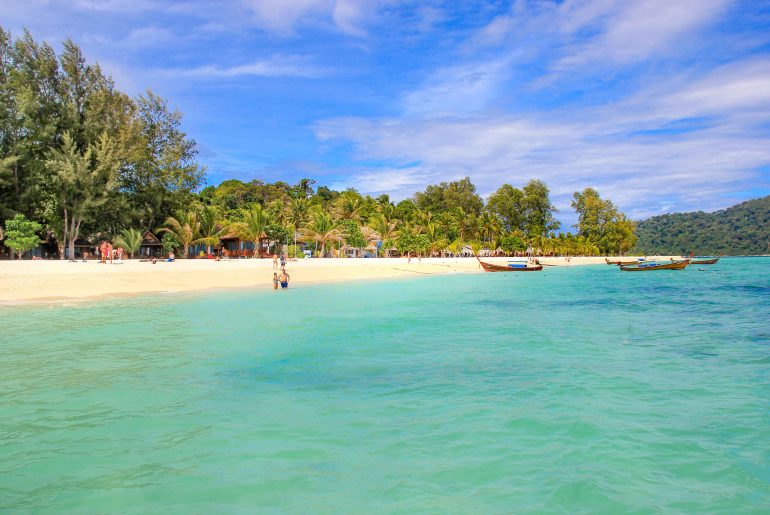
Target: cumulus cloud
pixel 626 149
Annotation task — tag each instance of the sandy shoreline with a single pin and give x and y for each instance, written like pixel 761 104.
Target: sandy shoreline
pixel 41 281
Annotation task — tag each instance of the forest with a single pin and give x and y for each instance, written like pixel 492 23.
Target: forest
pixel 743 229
pixel 82 161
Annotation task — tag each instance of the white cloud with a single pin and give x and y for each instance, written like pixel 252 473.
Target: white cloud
pixel 637 30
pixel 458 89
pixel 275 66
pixel 284 16
pixel 614 147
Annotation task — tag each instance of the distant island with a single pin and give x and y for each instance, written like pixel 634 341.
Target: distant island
pixel 743 229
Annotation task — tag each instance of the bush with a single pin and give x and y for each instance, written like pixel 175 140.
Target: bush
pixel 21 234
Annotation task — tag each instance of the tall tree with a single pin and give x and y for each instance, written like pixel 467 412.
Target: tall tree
pixel 322 229
pixel 83 180
pixel 600 222
pixel 185 228
pixel 448 196
pixel 212 229
pixel 538 215
pixel 253 226
pixel 507 203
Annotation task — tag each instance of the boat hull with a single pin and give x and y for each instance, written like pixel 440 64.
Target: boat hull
pixel 676 265
pixel 489 267
pixel 704 261
pixel 619 262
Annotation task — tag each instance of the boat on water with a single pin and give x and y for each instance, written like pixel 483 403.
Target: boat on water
pixel 512 266
pixel 705 260
pixel 623 262
pixel 650 266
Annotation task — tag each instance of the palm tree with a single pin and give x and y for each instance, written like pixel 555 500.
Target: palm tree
pixel 433 232
pixel 211 230
pixel 185 227
pixel 371 236
pixel 347 205
pixel 322 229
pixel 252 226
pixel 296 214
pixel 385 228
pixel 464 223
pixel 129 240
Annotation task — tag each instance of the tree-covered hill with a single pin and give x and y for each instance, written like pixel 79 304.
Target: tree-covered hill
pixel 738 230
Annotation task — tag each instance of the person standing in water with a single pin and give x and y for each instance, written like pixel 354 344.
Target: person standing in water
pixel 284 279
pixel 275 280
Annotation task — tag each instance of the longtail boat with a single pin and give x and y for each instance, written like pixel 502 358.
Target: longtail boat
pixel 621 262
pixel 648 267
pixel 705 261
pixel 524 267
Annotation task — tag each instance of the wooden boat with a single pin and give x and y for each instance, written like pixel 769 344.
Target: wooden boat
pixel 705 261
pixel 621 262
pixel 489 267
pixel 648 267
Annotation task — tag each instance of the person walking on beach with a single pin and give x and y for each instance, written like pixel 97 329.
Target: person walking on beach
pixel 284 279
pixel 283 261
pixel 275 262
pixel 275 280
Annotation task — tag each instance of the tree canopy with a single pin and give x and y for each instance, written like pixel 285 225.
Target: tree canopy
pixel 739 230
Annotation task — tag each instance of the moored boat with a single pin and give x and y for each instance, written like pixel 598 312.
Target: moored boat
pixel 621 262
pixel 705 260
pixel 513 266
pixel 648 267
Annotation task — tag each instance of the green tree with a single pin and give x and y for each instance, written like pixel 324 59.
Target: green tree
pixel 600 222
pixel 212 229
pixel 185 227
pixel 83 181
pixel 538 215
pixel 253 226
pixel 129 240
pixel 170 243
pixel 448 196
pixel 21 234
pixel 352 234
pixel 322 229
pixel 507 203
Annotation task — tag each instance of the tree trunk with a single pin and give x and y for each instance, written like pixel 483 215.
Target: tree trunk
pixel 63 243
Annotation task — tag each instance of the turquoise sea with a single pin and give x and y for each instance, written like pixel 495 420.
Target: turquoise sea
pixel 577 389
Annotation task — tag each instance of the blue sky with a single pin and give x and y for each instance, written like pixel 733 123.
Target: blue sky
pixel 662 105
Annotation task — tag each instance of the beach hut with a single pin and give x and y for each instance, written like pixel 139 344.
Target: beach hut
pixel 467 251
pixel 232 246
pixel 151 245
pixel 83 249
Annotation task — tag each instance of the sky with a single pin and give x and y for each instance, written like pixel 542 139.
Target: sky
pixel 661 105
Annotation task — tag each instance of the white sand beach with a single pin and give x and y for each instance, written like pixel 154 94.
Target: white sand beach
pixel 23 281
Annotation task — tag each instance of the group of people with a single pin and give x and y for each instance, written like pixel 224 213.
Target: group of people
pixel 107 251
pixel 283 278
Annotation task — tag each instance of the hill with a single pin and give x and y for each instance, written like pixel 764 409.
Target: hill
pixel 740 229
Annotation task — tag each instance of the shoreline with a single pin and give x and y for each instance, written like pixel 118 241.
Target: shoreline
pixel 53 282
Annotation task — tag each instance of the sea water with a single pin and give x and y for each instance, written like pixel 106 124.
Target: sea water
pixel 581 389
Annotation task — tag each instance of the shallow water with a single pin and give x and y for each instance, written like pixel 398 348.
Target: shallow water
pixel 581 389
